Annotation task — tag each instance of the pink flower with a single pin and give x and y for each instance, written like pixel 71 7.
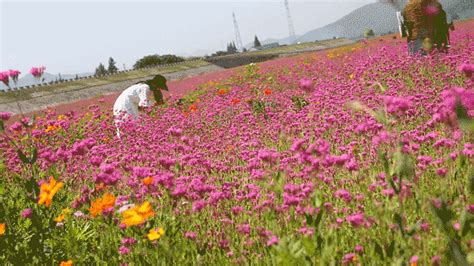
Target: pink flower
pixel 306 85
pixel 14 74
pixel 348 258
pixel 414 259
pixel 4 77
pixel 123 250
pixel 272 241
pixel 359 248
pixel 190 235
pixel 4 116
pixel 37 72
pixel 356 220
pixel 26 213
pixel 467 69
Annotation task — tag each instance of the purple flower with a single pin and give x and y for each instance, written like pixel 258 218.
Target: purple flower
pixel 26 213
pixel 356 220
pixel 5 116
pixel 467 69
pixel 272 241
pixel 306 84
pixel 123 250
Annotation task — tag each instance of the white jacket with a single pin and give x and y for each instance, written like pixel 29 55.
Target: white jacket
pixel 128 102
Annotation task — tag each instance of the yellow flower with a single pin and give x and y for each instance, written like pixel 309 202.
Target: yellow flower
pixel 47 191
pixel 138 214
pixel 156 233
pixel 61 117
pixel 59 219
pixel 66 263
pixel 351 76
pixel 2 229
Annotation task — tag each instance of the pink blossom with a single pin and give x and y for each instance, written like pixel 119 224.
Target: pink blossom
pixel 4 116
pixel 26 213
pixel 467 69
pixel 37 72
pixel 272 241
pixel 4 77
pixel 306 84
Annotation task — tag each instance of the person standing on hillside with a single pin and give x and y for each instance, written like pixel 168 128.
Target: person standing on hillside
pixel 136 97
pixel 425 22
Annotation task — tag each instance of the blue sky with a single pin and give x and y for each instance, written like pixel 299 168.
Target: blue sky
pixel 75 36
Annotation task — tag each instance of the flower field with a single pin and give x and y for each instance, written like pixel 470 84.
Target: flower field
pixel 359 155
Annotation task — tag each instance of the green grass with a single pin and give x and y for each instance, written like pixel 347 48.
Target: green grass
pixel 296 47
pixel 98 81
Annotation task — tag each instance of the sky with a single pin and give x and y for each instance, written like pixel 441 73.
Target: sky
pixel 71 37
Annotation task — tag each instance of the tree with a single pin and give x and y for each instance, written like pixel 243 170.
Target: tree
pixel 256 42
pixel 112 66
pixel 100 70
pixel 369 33
pixel 231 48
pixel 153 60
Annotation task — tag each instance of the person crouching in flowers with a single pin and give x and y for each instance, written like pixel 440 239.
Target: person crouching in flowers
pixel 136 97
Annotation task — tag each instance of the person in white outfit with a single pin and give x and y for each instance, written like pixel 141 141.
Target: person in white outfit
pixel 137 96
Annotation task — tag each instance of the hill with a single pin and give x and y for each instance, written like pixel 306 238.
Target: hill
pixel 380 17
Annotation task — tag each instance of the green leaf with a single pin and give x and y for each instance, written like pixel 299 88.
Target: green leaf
pixel 22 157
pixel 403 165
pixel 2 126
pixel 391 249
pixel 465 122
pixel 378 249
pixel 34 156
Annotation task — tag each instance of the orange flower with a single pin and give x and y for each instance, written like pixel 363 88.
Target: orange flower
pixel 59 219
pixel 221 91
pixel 138 214
pixel 66 263
pixel 101 204
pixel 235 101
pixel 147 181
pixel 2 229
pixel 48 190
pixel 267 91
pixel 52 128
pixel 193 107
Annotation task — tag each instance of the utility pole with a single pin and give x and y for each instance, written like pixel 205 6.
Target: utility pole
pixel 238 39
pixel 291 27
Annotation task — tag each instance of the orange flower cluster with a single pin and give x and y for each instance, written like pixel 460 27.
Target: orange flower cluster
pixel 235 101
pixel 193 107
pixel 66 263
pixel 2 229
pixel 221 91
pixel 267 91
pixel 101 204
pixel 147 181
pixel 138 214
pixel 52 128
pixel 48 190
